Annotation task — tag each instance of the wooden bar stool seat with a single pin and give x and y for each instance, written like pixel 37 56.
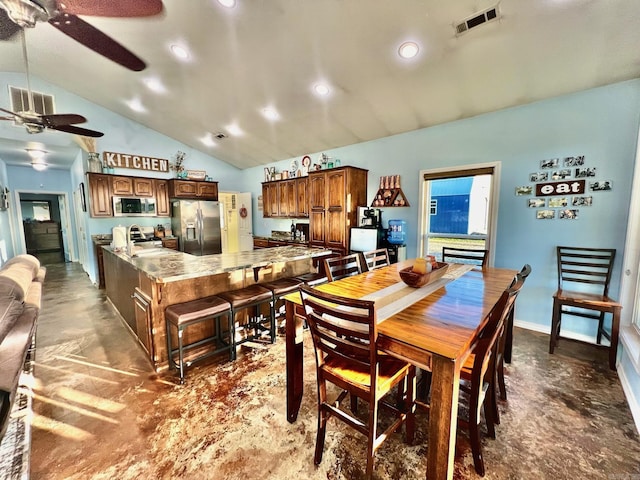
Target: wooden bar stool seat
pixel 279 289
pixel 313 279
pixel 248 297
pixel 183 315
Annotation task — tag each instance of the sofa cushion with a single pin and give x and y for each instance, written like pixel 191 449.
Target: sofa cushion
pixel 10 310
pixel 25 260
pixel 15 280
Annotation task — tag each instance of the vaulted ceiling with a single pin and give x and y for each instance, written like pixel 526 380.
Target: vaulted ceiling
pixel 271 53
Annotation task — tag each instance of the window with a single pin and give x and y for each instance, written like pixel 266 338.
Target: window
pixel 457 208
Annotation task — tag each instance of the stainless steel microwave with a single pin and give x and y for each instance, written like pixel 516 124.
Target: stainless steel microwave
pixel 134 207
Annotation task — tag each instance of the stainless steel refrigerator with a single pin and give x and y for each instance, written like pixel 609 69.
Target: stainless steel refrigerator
pixel 197 225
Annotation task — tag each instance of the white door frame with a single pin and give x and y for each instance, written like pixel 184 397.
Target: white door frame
pixel 21 244
pixel 423 210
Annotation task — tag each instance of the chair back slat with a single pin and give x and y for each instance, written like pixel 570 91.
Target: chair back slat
pixel 376 258
pixel 341 267
pixel 465 255
pixel 585 266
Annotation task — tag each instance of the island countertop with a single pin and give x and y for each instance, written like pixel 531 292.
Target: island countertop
pixel 170 266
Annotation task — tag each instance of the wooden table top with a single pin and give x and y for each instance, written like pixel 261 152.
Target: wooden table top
pixel 443 323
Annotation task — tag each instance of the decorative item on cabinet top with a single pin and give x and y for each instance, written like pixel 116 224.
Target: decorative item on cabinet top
pixel 389 193
pixel 301 169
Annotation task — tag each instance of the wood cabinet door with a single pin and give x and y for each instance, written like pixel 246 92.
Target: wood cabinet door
pixel 143 187
pixel 142 305
pixel 100 194
pixel 316 228
pixel 283 205
pixel 266 204
pixel 302 204
pixel 163 207
pixel 170 243
pixel 273 199
pixel 335 184
pixel 317 191
pixel 291 197
pixel 122 186
pixel 208 190
pixel 182 189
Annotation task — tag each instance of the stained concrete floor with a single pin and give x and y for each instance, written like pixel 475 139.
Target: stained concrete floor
pixel 101 412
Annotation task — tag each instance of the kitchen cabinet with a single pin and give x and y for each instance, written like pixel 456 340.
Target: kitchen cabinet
pixel 285 198
pixel 193 189
pixel 334 196
pixel 163 207
pixel 143 187
pixel 302 204
pixel 122 186
pixel 170 243
pixel 142 308
pixel 100 195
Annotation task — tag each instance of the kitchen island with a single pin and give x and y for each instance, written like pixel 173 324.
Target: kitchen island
pixel 142 286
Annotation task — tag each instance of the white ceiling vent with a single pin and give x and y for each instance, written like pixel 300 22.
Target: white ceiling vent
pixel 477 19
pixel 42 104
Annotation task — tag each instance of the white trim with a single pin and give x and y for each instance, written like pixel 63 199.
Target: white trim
pixel 423 213
pixel 632 401
pixel 537 327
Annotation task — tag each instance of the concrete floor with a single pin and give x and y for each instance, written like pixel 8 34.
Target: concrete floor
pixel 101 412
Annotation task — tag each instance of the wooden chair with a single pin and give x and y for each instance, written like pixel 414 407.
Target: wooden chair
pixel 583 287
pixel 465 255
pixel 506 345
pixel 376 258
pixel 341 267
pixel 345 333
pixel 477 376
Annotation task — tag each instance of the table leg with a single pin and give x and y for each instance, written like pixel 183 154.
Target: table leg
pixel 294 356
pixel 443 418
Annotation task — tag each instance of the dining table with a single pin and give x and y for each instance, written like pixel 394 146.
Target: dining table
pixel 433 327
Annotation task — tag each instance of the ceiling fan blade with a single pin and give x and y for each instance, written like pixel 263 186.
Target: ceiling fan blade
pixel 7 118
pixel 61 119
pixel 7 111
pixel 7 27
pixel 113 8
pixel 97 41
pixel 77 130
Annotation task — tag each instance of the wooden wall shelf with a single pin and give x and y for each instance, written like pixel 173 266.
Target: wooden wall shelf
pixel 390 197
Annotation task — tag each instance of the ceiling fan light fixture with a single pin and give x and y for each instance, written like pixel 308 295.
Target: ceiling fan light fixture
pixel 35 153
pixel 408 50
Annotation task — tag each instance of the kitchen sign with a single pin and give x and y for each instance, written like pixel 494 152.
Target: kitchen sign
pixel 569 187
pixel 135 162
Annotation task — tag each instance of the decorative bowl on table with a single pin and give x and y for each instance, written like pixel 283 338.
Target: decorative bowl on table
pixel 416 280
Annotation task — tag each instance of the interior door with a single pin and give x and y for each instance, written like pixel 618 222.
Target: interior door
pixel 65 228
pixel 245 221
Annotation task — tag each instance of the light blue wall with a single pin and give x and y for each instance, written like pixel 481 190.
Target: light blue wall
pixel 601 124
pixel 6 244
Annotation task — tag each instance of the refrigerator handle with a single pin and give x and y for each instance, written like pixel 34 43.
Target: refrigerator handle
pixel 200 227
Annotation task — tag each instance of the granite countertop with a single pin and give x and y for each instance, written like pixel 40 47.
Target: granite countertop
pixel 287 239
pixel 170 266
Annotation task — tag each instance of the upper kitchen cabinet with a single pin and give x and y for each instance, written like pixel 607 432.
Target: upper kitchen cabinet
pixel 285 198
pixel 163 207
pixel 193 189
pixel 334 196
pixel 131 186
pixel 100 195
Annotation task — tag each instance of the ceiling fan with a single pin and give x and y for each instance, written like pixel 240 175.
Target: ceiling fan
pixel 36 122
pixel 16 15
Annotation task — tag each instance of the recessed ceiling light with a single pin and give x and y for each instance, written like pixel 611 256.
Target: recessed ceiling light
pixel 408 50
pixel 321 89
pixel 136 105
pixel 180 52
pixel 207 140
pixel 155 85
pixel 227 3
pixel 270 113
pixel 234 130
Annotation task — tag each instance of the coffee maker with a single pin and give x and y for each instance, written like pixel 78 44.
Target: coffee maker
pixel 369 217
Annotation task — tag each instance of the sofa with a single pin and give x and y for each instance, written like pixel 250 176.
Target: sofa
pixel 21 279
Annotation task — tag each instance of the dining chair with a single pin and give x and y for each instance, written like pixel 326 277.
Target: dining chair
pixel 376 258
pixel 345 333
pixel 583 291
pixel 465 255
pixel 343 266
pixel 478 374
pixel 506 342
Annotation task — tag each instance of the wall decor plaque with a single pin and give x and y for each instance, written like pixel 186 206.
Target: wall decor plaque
pixel 135 162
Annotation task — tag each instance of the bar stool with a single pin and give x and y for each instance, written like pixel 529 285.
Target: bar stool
pixel 313 279
pixel 186 314
pixel 279 289
pixel 251 296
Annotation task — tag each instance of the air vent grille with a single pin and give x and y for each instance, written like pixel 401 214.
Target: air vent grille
pixel 42 104
pixel 477 19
